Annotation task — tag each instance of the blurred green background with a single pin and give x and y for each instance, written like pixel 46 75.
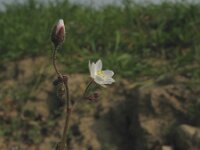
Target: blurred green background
pixel 132 39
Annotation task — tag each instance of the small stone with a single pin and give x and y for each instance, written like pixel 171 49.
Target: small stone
pixel 167 148
pixel 188 137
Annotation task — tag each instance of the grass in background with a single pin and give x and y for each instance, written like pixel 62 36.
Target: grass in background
pixel 134 40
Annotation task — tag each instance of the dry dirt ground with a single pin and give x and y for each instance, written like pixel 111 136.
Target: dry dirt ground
pixel 127 116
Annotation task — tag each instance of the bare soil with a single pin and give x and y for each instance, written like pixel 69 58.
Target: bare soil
pixel 127 116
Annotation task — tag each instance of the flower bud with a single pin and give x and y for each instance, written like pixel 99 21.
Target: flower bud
pixel 58 33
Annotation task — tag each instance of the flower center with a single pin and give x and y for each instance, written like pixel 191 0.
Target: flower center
pixel 100 73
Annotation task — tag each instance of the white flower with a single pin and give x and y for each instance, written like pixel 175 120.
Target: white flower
pixel 101 77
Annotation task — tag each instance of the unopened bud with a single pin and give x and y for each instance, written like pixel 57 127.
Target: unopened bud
pixel 58 33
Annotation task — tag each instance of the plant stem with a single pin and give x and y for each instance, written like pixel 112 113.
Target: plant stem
pixel 64 79
pixel 68 109
pixel 87 87
pixel 68 114
pixel 54 62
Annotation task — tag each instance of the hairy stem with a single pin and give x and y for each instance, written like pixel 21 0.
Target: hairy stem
pixel 68 114
pixel 87 87
pixel 64 80
pixel 54 62
pixel 68 109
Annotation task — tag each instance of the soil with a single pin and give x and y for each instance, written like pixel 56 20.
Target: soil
pixel 126 116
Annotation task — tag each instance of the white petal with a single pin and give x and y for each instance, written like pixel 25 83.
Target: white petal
pixel 108 81
pixel 108 73
pixel 61 22
pixel 60 25
pixel 93 71
pixel 89 65
pixel 99 80
pixel 103 85
pixel 99 65
pixel 111 80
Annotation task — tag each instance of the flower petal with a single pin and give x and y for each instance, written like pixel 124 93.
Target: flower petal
pixel 60 25
pixel 99 80
pixel 103 85
pixel 108 81
pixel 99 65
pixel 108 73
pixel 92 70
pixel 89 65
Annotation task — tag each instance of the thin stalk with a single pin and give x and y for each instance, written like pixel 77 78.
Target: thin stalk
pixel 54 62
pixel 83 96
pixel 62 145
pixel 68 110
pixel 68 114
pixel 87 87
